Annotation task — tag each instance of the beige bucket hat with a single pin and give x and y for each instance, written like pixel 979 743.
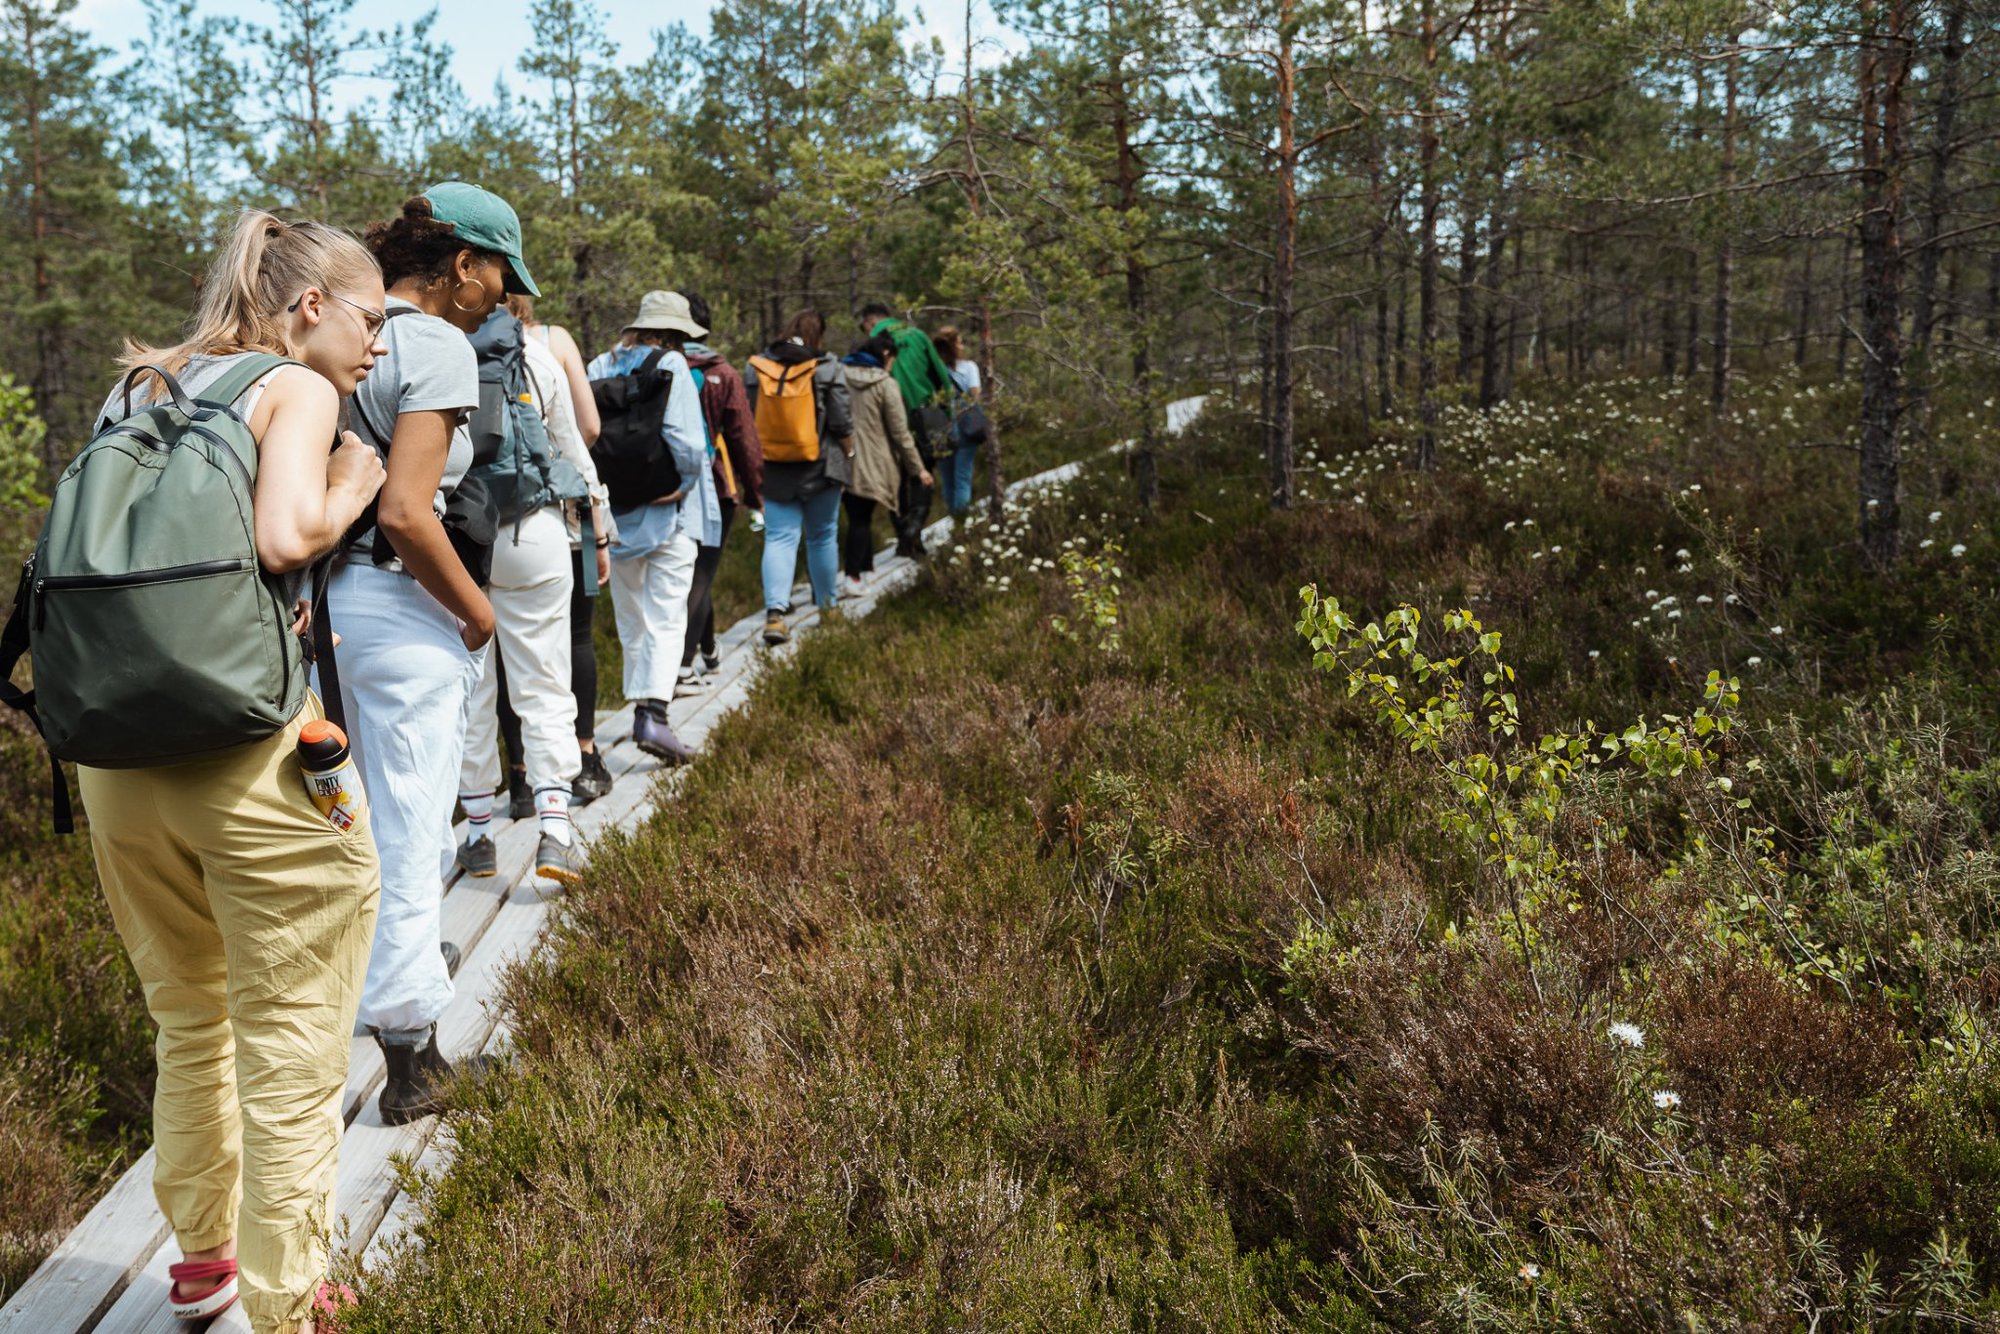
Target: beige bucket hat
pixel 666 310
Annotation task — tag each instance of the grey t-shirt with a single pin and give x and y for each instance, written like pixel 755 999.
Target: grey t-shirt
pixel 431 367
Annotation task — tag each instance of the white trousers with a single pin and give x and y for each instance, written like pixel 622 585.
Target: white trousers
pixel 649 591
pixel 531 597
pixel 405 679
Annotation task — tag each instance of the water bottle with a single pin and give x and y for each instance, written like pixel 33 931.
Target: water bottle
pixel 332 782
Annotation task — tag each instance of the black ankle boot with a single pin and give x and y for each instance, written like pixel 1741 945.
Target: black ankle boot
pixel 417 1078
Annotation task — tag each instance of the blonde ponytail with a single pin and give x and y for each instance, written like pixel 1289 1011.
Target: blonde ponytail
pixel 263 267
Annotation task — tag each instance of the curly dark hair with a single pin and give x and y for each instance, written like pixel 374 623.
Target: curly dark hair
pixel 698 310
pixel 414 244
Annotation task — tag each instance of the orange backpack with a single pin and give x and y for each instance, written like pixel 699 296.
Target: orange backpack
pixel 787 416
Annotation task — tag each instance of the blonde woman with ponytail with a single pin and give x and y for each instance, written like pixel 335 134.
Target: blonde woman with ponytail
pixel 247 916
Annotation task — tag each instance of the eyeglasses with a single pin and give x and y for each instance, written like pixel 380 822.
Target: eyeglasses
pixel 371 320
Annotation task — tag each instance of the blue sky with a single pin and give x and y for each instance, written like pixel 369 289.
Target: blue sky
pixel 486 36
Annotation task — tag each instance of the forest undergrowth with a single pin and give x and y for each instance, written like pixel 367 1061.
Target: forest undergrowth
pixel 1104 936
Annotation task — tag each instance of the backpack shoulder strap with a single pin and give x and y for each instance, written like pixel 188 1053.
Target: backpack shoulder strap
pixel 13 647
pixel 237 381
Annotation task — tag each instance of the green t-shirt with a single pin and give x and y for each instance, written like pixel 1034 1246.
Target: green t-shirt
pixel 920 372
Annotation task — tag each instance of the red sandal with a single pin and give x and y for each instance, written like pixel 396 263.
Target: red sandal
pixel 213 1283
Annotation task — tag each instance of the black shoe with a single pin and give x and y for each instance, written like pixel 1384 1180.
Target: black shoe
pixel 451 957
pixel 477 857
pixel 592 782
pixel 418 1077
pixel 520 797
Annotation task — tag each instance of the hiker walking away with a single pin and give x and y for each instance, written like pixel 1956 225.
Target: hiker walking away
pixel 409 604
pixel 926 383
pixel 247 915
pixel 542 480
pixel 593 780
pixel 798 396
pixel 653 455
pixel 884 454
pixel 737 457
pixel 968 427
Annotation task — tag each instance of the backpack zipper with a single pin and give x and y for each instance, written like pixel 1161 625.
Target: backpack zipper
pixel 200 569
pixel 221 446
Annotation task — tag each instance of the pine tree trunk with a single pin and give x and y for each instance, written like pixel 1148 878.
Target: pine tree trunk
pixel 1489 342
pixel 48 356
pixel 1427 253
pixel 1284 274
pixel 1883 69
pixel 1468 280
pixel 1923 316
pixel 1802 334
pixel 1725 251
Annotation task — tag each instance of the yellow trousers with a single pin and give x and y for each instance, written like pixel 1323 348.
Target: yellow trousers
pixel 248 919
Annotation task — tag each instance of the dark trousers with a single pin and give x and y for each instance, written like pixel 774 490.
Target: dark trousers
pixel 582 665
pixel 857 548
pixel 913 499
pixel 701 594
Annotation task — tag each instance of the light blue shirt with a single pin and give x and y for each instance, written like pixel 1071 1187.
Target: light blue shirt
pixel 699 513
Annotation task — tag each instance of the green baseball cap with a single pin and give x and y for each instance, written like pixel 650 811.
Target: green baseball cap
pixel 484 219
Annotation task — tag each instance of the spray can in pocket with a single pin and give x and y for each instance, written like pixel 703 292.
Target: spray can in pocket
pixel 332 782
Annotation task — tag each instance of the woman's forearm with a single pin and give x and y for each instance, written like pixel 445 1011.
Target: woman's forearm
pixel 427 553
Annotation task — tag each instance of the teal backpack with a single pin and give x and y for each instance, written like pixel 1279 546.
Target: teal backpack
pixel 156 636
pixel 518 465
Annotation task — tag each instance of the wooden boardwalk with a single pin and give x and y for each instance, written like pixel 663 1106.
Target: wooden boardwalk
pixel 110 1273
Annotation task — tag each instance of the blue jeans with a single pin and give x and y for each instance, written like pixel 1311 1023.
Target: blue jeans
pixel 955 477
pixel 785 522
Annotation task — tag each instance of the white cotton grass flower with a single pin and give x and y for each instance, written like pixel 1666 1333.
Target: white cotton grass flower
pixel 1753 662
pixel 1935 516
pixel 1958 549
pixel 1778 630
pixel 1666 1100
pixel 1629 1034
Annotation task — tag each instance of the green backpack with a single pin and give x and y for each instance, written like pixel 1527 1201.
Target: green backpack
pixel 156 636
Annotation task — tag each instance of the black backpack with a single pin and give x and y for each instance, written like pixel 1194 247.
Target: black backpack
pixel 632 457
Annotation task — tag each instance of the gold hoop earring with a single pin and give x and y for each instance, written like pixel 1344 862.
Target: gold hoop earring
pixel 475 307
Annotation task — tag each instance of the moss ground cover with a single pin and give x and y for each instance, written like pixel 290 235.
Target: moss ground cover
pixel 988 973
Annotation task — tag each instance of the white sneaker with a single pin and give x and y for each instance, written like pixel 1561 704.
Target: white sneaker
pixel 851 586
pixel 688 681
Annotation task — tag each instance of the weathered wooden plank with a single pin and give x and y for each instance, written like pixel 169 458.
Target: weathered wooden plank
pixel 85 1273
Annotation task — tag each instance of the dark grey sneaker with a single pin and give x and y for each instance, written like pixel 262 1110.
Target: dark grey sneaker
pixel 451 957
pixel 560 862
pixel 592 782
pixel 651 734
pixel 520 797
pixel 476 856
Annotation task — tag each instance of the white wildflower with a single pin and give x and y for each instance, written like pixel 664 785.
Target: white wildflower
pixel 1630 1035
pixel 1666 1100
pixel 1778 630
pixel 1936 515
pixel 1753 662
pixel 1958 549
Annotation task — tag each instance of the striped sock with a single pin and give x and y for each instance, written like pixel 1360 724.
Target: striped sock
pixel 478 813
pixel 552 811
